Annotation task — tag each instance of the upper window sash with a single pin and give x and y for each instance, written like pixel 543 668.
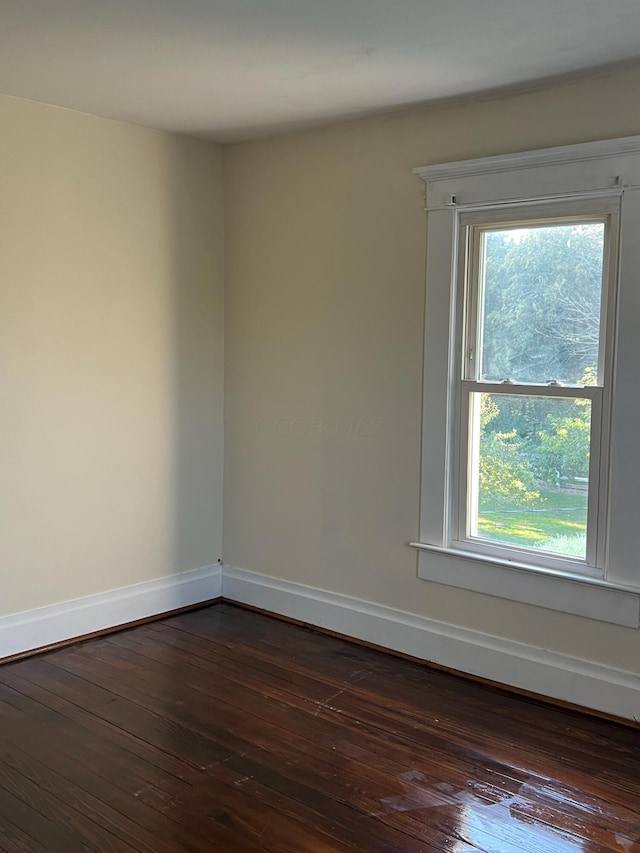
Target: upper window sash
pixel 473 226
pixel 476 344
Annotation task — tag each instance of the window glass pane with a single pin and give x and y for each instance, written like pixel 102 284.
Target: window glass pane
pixel 540 294
pixel 529 472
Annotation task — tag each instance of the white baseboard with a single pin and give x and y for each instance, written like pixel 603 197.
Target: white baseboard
pixel 34 629
pixel 558 676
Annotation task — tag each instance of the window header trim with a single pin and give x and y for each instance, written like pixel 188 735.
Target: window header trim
pixel 601 149
pixel 588 170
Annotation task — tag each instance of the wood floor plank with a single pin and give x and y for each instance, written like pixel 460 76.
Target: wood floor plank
pixel 14 840
pixel 28 817
pixel 454 775
pixel 533 842
pixel 63 682
pixel 450 719
pixel 452 694
pixel 227 730
pixel 212 667
pixel 263 737
pixel 74 659
pixel 162 820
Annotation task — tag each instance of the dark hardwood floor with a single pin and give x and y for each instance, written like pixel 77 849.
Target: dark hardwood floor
pixel 225 730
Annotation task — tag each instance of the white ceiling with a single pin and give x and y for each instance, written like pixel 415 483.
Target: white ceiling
pixel 235 69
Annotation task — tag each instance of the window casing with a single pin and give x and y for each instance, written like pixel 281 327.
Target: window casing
pixel 592 185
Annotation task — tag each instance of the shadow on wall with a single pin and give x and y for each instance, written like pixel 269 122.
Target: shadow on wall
pixel 195 246
pixel 111 354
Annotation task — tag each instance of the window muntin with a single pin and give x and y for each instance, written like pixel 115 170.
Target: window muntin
pixel 534 384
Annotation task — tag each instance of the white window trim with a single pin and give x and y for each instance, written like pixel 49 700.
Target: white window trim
pixel 590 170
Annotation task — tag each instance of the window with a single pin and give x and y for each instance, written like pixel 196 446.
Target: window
pixel 530 470
pixel 533 384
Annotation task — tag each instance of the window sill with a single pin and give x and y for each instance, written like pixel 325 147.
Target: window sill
pixel 591 597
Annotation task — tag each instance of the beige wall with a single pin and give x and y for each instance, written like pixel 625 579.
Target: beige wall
pixel 324 305
pixel 111 336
